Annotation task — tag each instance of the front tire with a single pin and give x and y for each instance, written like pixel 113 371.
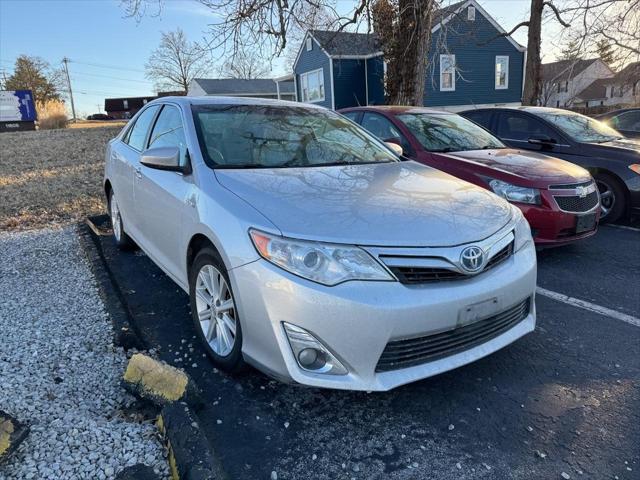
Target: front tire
pixel 213 310
pixel 123 241
pixel 612 197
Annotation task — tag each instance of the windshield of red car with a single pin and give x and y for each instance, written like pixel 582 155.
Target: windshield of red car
pixel 448 132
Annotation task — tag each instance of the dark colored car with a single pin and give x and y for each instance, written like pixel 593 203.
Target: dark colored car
pixel 626 121
pixel 559 199
pixel 614 161
pixel 99 116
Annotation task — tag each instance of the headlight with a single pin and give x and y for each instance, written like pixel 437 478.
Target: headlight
pixel 513 193
pixel 522 232
pixel 320 262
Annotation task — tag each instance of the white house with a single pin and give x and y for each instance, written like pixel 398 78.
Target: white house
pixel 563 81
pixel 623 89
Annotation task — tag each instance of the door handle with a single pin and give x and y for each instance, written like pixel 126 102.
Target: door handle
pixel 138 172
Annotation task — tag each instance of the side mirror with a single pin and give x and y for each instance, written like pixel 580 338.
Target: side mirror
pixel 542 140
pixel 164 158
pixel 394 144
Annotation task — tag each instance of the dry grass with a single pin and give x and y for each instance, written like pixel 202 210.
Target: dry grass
pixel 51 115
pixel 51 177
pixel 97 123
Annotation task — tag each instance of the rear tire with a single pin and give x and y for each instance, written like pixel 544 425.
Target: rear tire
pixel 214 312
pixel 123 241
pixel 612 197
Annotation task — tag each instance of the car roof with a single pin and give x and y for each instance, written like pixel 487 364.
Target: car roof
pixel 221 100
pixel 396 109
pixel 524 108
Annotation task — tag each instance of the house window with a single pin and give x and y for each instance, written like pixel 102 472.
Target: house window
pixel 309 44
pixel 557 103
pixel 312 84
pixel 563 86
pixel 502 72
pixel 471 13
pixel 447 73
pixel 636 88
pixel 125 104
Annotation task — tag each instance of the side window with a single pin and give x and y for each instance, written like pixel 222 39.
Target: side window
pixel 353 116
pixel 628 121
pixel 168 130
pixel 515 126
pixel 138 133
pixel 482 118
pixel 382 128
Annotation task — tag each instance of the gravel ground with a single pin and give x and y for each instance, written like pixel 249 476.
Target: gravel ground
pixel 59 371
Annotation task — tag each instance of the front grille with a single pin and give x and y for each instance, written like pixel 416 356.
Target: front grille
pixel 416 275
pixel 416 351
pixel 570 186
pixel 577 204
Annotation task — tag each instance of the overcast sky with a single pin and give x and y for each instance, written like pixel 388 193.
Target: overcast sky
pixel 108 51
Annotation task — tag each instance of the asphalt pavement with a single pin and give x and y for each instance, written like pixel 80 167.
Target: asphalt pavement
pixel 562 402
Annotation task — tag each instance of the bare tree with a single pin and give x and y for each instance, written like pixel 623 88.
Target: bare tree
pixel 615 23
pixel 404 28
pixel 245 64
pixel 533 69
pixel 176 62
pixel 269 24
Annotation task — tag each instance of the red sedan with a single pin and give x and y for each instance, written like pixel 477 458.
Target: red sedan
pixel 559 199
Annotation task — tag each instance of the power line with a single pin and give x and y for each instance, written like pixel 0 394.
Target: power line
pixel 111 77
pixel 103 65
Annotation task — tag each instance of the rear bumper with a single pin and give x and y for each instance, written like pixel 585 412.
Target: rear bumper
pixel 356 320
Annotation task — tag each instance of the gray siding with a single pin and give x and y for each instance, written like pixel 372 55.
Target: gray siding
pixel 349 83
pixel 314 60
pixel 375 79
pixel 475 83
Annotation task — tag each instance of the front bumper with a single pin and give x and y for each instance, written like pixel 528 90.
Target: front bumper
pixel 356 320
pixel 551 226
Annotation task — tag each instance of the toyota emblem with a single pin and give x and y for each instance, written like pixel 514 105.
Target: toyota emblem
pixel 472 259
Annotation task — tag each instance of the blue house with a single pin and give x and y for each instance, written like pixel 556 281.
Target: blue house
pixel 469 64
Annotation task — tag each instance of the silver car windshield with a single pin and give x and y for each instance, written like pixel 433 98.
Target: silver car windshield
pixel 580 127
pixel 268 136
pixel 448 133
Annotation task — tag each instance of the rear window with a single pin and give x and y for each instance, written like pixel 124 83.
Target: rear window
pixel 481 117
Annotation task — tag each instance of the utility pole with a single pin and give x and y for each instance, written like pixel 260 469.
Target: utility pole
pixel 65 60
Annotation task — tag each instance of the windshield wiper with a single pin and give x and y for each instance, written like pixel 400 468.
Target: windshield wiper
pixel 443 150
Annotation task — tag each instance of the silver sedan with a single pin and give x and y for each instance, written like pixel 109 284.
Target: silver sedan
pixel 310 250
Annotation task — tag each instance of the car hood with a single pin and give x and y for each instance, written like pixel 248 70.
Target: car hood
pixel 537 169
pixel 385 204
pixel 622 145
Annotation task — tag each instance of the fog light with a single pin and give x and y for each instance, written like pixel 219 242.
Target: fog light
pixel 308 357
pixel 310 354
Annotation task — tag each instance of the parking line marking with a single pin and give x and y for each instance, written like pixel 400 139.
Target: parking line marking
pixel 624 227
pixel 576 302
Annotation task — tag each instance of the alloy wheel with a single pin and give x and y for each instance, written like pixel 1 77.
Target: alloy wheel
pixel 116 223
pixel 216 310
pixel 607 197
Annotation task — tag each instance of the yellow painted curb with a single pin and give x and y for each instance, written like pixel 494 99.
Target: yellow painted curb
pixel 170 456
pixel 6 430
pixel 156 379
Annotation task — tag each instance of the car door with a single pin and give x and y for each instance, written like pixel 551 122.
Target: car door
pixel 126 156
pixel 160 196
pixel 516 129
